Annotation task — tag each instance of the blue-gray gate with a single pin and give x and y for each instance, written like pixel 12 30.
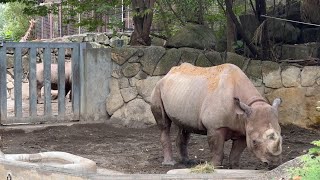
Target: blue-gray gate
pixel 32 115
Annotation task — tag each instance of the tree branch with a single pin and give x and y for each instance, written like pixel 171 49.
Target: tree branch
pixel 240 29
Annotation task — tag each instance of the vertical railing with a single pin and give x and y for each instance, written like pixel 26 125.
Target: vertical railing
pixel 48 115
pixel 3 82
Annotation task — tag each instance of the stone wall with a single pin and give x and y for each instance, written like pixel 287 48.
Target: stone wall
pixel 136 71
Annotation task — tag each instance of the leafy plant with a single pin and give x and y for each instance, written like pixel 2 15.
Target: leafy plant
pixel 310 168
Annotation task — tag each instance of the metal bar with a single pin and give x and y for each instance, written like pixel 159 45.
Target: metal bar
pixel 47 81
pixel 33 83
pixel 18 83
pixel 3 83
pixel 76 80
pixel 288 20
pixel 61 80
pixel 37 119
pixel 41 44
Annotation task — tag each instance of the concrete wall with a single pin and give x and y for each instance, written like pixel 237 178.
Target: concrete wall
pixel 96 72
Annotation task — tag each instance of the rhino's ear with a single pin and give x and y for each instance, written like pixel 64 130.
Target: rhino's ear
pixel 245 108
pixel 276 103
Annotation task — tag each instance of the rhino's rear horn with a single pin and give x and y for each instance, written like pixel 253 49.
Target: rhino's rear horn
pixel 276 103
pixel 247 109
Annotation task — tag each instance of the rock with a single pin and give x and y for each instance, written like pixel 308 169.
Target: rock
pixel 155 41
pixel 290 76
pixel 10 85
pixel 146 86
pixel 151 57
pixel 214 57
pixel 141 75
pixel 129 93
pixel 89 37
pixel 121 55
pixel 312 91
pixel 296 108
pixel 114 100
pixel 102 39
pixel 311 35
pixel 194 36
pixel 123 83
pixel 250 22
pixel 133 81
pixel 202 61
pixel 96 45
pixel 8 95
pixel 254 72
pixel 116 42
pixel 125 39
pixel 170 59
pixel 10 61
pixel 130 69
pixel 309 75
pixel 271 74
pixel 235 59
pixel 189 55
pixel 135 114
pixel 283 32
pixel 298 51
pixel 76 38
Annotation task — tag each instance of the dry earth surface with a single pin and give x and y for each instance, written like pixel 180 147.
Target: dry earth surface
pixel 134 150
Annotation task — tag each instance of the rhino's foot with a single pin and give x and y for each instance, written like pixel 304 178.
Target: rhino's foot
pixel 190 162
pixel 169 163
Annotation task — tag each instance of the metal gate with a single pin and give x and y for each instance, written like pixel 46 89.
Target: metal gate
pixel 31 116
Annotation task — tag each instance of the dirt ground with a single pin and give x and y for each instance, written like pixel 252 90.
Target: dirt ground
pixel 134 150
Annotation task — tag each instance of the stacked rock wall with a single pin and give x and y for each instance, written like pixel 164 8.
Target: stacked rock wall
pixel 137 70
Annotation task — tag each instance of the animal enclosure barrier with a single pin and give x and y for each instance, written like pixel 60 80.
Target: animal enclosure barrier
pixel 34 52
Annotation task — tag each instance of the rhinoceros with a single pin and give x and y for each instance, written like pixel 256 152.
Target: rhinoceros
pixel 222 103
pixel 54 78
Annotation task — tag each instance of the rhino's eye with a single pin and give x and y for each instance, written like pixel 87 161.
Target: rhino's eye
pixel 255 143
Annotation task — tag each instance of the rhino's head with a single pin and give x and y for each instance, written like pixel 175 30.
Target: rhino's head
pixel 263 131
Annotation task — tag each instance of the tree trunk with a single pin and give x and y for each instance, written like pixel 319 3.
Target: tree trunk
pixel 265 47
pixel 230 31
pixel 240 29
pixel 142 19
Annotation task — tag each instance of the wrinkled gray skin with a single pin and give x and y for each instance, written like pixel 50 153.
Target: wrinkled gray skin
pixel 54 79
pixel 222 103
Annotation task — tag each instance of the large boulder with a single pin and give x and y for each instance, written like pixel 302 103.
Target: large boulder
pixel 194 36
pixel 297 108
pixel 250 22
pixel 311 35
pixel 284 32
pixel 134 114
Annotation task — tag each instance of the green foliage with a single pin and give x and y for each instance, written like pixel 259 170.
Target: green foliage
pixel 310 164
pixel 16 22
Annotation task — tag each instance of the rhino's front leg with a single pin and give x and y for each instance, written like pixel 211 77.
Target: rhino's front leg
pixel 238 146
pixel 216 141
pixel 182 141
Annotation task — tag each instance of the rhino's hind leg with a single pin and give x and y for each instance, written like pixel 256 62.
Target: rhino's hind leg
pixel 182 141
pixel 238 146
pixel 164 123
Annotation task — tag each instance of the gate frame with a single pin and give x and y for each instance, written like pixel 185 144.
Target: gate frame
pixel 47 117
